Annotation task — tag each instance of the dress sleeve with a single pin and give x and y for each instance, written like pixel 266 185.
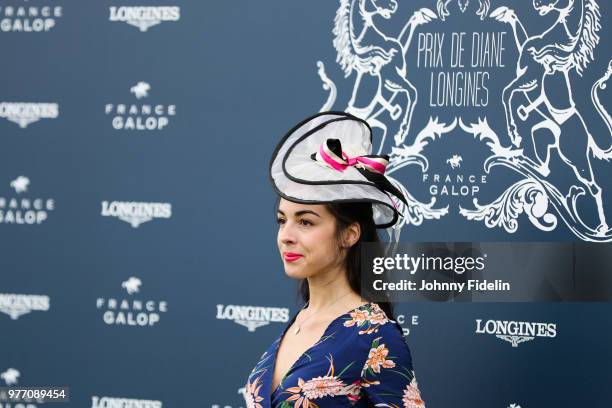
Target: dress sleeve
pixel 387 377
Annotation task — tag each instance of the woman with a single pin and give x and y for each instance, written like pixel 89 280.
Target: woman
pixel 341 348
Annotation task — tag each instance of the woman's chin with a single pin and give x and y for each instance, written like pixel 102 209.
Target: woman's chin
pixel 295 272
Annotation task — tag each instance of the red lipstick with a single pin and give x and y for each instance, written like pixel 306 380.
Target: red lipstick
pixel 291 256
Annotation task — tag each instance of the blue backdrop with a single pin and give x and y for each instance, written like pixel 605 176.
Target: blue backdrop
pixel 136 217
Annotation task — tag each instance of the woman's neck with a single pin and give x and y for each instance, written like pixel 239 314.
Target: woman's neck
pixel 331 292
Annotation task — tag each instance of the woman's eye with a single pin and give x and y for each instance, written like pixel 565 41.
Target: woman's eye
pixel 303 222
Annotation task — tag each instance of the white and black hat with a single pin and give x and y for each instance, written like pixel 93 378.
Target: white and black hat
pixel 327 158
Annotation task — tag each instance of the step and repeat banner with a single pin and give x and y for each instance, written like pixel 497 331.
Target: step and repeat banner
pixel 139 265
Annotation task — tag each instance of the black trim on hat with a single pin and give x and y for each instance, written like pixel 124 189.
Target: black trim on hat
pixel 348 200
pixel 380 182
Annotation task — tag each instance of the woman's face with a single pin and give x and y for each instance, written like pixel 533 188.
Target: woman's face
pixel 306 239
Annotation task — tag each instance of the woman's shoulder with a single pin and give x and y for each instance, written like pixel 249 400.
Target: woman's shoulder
pixel 370 319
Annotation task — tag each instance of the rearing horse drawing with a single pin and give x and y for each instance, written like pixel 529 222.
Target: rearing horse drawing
pixel 362 47
pixel 547 59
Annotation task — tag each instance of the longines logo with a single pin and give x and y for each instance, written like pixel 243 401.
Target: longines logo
pixel 131 312
pixel 107 402
pixel 135 213
pixel 28 19
pixel 24 113
pixel 16 305
pixel 24 210
pixel 144 17
pixel 516 332
pixel 252 317
pixel 145 116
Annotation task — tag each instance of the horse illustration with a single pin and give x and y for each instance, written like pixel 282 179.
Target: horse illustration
pixel 442 6
pixel 545 60
pixel 20 184
pixel 132 285
pixel 362 47
pixel 141 90
pixel 10 376
pixel 455 161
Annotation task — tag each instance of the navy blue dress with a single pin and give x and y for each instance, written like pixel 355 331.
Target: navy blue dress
pixel 361 360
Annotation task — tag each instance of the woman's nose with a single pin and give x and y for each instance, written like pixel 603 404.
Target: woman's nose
pixel 286 234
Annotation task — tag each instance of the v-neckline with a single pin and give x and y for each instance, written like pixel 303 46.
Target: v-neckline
pixel 278 343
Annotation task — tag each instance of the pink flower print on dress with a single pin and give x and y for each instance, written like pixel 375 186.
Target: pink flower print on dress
pixel 300 400
pixel 251 394
pixel 377 358
pixel 370 318
pixel 412 396
pixel 353 391
pixel 357 317
pixel 318 387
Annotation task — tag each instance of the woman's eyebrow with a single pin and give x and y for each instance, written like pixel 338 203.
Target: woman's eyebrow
pixel 302 212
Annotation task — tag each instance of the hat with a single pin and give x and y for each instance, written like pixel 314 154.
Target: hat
pixel 327 158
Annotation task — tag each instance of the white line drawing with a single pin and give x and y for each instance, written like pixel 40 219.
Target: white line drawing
pixel 526 195
pixel 558 50
pixel 20 184
pixel 143 25
pixel 442 7
pixel 364 48
pixel 251 325
pixel 552 54
pixel 568 44
pixel 141 89
pixel 454 161
pixel 328 85
pixel 514 340
pixel 416 211
pixel 532 194
pixel 132 285
pixel 10 376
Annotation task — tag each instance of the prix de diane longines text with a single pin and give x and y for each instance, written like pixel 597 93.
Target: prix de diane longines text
pixel 460 66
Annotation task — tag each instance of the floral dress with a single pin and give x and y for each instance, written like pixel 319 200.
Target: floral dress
pixel 361 360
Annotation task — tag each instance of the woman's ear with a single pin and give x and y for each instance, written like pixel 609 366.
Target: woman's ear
pixel 351 235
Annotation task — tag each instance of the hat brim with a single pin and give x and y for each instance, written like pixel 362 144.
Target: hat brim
pixel 310 182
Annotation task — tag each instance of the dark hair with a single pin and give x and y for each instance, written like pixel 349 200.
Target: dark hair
pixel 346 214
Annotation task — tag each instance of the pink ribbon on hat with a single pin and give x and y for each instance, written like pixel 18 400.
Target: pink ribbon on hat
pixel 373 163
